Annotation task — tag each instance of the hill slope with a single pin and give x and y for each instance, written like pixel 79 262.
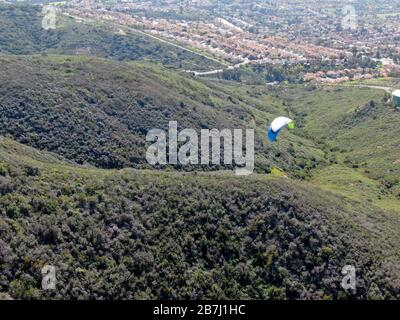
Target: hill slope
pixel 331 198
pixel 84 107
pixel 22 33
pixel 95 111
pixel 142 234
pixel 358 129
pixel 98 111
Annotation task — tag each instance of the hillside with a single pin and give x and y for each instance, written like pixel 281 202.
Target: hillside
pixel 22 33
pixel 77 192
pixel 83 107
pixel 358 128
pixel 365 132
pixel 95 111
pixel 109 237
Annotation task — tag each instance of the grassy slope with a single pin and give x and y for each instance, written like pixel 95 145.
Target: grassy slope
pixel 95 104
pixel 361 138
pixel 109 237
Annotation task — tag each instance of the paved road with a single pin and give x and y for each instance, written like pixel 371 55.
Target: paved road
pixel 387 89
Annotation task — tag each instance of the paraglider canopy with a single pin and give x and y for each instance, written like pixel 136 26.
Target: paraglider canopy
pixel 277 125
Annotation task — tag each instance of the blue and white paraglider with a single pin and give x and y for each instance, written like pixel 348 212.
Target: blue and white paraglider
pixel 277 125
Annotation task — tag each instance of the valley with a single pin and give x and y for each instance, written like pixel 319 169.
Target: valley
pixel 76 190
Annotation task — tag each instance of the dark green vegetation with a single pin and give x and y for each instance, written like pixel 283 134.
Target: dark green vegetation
pixel 72 129
pixel 142 234
pixel 146 234
pixel 21 32
pixel 98 111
